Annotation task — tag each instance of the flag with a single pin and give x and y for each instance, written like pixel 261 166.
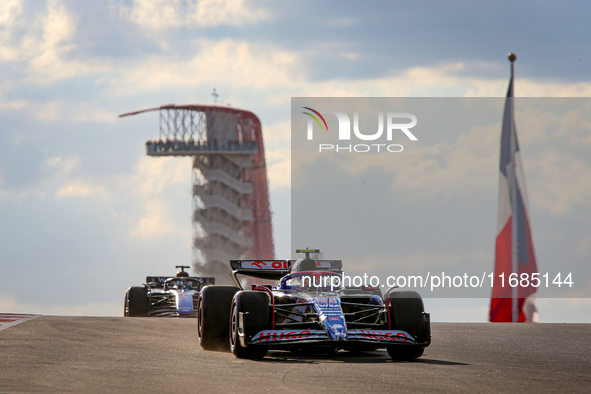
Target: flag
pixel 514 251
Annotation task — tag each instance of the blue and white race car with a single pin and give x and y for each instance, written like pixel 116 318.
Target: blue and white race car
pixel 308 309
pixel 166 295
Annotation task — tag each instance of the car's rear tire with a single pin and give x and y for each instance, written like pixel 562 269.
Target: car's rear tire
pixel 136 302
pixel 406 312
pixel 257 317
pixel 213 316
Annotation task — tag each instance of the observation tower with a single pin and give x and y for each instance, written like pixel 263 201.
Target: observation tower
pixel 230 194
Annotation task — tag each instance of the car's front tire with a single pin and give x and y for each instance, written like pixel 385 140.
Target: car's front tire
pixel 136 302
pixel 406 313
pixel 213 315
pixel 255 310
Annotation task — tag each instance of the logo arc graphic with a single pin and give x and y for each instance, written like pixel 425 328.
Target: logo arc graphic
pixel 315 118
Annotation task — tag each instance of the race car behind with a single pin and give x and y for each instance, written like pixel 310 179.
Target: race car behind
pixel 176 296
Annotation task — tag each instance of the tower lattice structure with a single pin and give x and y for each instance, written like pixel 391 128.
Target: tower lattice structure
pixel 231 210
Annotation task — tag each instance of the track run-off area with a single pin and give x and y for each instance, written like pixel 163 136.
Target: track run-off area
pixel 98 354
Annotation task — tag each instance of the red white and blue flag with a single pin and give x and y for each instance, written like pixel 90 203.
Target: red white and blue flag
pixel 514 252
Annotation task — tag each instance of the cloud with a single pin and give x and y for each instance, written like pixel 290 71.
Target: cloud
pixel 10 13
pixel 138 200
pixel 155 223
pixel 166 14
pixel 277 138
pixel 79 112
pixel 156 13
pixel 441 80
pixel 46 41
pixel 148 185
pixel 82 189
pixel 62 110
pixel 13 105
pixel 73 187
pixel 64 164
pixel 279 169
pixel 49 38
pixel 553 151
pixel 236 63
pixel 57 175
pixel 552 145
pixel 8 9
pixel 155 175
pixel 561 182
pixel 448 169
pixel 38 44
pixel 538 126
pixel 445 80
pixel 438 170
pixel 210 13
pixel 277 135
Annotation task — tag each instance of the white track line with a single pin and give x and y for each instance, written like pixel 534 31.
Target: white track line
pixel 8 320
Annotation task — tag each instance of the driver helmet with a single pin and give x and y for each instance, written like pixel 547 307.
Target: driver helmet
pixel 305 264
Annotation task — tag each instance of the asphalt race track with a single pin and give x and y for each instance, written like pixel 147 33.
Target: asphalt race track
pixel 100 354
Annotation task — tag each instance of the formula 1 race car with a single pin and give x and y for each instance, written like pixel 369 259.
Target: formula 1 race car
pixel 308 309
pixel 166 295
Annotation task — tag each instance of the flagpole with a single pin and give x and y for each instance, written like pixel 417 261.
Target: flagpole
pixel 514 222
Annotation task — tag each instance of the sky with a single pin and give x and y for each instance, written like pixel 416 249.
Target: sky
pixel 84 213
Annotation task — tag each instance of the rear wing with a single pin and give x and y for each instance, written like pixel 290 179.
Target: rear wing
pixel 262 269
pixel 158 281
pixel 276 269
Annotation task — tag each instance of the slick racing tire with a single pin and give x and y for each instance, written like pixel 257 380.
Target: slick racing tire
pixel 406 312
pixel 136 302
pixel 213 315
pixel 256 312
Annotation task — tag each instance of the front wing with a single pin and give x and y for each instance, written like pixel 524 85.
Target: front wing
pixel 378 337
pixel 164 304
